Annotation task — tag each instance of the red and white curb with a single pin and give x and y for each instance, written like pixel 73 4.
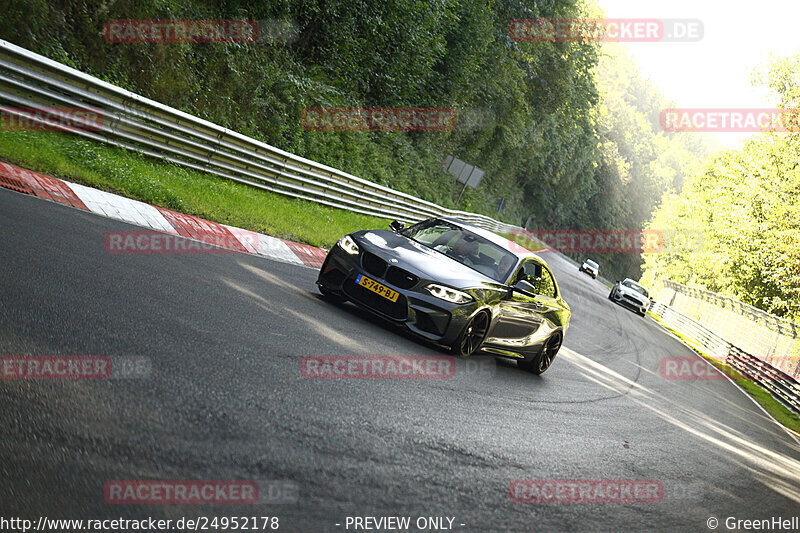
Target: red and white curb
pixel 157 218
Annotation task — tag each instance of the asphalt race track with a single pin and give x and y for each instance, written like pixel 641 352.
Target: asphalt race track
pixel 224 399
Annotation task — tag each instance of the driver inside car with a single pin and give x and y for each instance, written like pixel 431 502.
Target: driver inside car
pixel 507 262
pixel 466 251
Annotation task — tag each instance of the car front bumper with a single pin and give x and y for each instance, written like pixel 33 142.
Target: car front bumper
pixel 420 312
pixel 630 302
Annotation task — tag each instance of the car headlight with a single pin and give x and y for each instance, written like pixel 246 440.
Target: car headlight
pixel 448 294
pixel 348 245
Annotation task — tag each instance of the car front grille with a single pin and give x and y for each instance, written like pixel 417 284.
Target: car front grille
pixel 373 264
pixel 401 278
pixel 379 268
pixel 632 300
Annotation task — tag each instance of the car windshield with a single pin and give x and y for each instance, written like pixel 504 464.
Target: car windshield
pixel 635 286
pixel 464 246
pixel 591 263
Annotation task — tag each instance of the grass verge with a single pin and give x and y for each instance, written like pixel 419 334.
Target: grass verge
pixel 167 185
pixel 778 411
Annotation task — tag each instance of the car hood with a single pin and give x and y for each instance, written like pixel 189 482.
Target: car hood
pixel 420 260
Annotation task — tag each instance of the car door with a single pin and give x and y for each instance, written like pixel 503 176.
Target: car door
pixel 520 316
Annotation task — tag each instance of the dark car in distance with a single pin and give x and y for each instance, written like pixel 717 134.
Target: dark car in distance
pixel 455 285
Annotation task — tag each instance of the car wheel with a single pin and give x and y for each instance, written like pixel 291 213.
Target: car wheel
pixel 542 362
pixel 328 295
pixel 611 295
pixel 594 277
pixel 472 336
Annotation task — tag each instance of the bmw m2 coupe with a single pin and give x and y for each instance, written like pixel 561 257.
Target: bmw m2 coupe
pixel 456 285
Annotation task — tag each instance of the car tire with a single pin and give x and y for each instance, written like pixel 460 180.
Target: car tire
pixel 472 336
pixel 611 294
pixel 539 364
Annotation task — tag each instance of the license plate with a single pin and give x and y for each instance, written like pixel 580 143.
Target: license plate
pixel 377 288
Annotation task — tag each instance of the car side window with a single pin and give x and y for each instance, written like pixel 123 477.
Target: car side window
pixel 540 277
pixel 529 273
pixel 547 285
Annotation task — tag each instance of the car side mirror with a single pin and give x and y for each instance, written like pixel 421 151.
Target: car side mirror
pixel 525 287
pixel 396 226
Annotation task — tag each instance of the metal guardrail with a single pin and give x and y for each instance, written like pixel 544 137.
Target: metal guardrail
pixel 710 341
pixel 783 387
pixel 777 324
pixel 137 123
